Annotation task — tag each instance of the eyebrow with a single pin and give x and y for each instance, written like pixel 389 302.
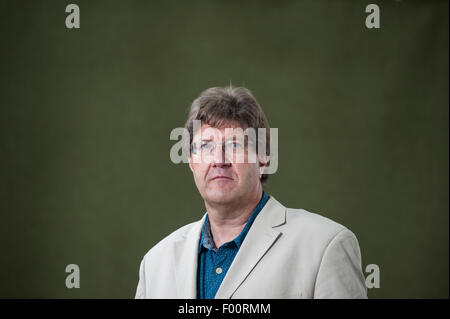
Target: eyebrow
pixel 233 138
pixel 201 140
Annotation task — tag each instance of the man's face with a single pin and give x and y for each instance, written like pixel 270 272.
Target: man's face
pixel 221 178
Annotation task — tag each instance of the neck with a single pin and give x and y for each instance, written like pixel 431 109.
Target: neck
pixel 227 221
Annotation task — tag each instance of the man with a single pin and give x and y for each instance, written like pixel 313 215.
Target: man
pixel 247 245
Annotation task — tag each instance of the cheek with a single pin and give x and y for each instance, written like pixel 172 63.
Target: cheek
pixel 248 173
pixel 199 171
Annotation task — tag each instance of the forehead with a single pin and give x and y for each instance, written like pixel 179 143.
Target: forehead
pixel 228 130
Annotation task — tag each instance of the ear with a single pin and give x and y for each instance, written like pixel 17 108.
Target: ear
pixel 263 162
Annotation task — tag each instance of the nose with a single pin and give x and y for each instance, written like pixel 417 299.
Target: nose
pixel 219 156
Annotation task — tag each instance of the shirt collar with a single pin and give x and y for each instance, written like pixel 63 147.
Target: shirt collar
pixel 206 239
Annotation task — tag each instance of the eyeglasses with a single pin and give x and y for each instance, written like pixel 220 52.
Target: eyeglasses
pixel 208 147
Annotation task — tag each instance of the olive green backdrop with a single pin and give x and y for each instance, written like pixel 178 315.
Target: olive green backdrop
pixel 85 117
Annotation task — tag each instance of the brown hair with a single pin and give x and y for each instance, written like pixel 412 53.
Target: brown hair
pixel 219 105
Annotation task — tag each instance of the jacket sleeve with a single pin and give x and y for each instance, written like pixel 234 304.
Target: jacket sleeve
pixel 140 291
pixel 340 275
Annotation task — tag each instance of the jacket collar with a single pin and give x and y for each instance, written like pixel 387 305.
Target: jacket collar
pixel 206 239
pixel 258 241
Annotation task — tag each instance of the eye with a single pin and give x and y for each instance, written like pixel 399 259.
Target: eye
pixel 205 145
pixel 234 145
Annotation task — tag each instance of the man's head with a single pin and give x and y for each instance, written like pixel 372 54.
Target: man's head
pixel 220 141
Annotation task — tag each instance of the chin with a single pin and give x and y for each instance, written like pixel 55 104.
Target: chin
pixel 220 195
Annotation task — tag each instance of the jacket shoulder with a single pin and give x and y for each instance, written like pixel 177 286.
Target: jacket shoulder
pixel 177 235
pixel 313 225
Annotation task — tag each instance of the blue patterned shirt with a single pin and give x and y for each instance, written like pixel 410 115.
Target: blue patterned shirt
pixel 213 264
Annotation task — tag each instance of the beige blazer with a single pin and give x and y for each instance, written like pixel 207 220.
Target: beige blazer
pixel 287 253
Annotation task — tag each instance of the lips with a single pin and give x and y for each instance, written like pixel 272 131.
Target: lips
pixel 220 177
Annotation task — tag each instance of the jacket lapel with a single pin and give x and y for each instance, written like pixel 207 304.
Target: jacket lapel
pixel 185 261
pixel 258 241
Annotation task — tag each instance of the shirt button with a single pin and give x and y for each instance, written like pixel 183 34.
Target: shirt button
pixel 218 270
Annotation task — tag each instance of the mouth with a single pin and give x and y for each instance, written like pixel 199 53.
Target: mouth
pixel 221 178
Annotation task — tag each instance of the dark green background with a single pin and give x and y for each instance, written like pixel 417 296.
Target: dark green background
pixel 85 117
